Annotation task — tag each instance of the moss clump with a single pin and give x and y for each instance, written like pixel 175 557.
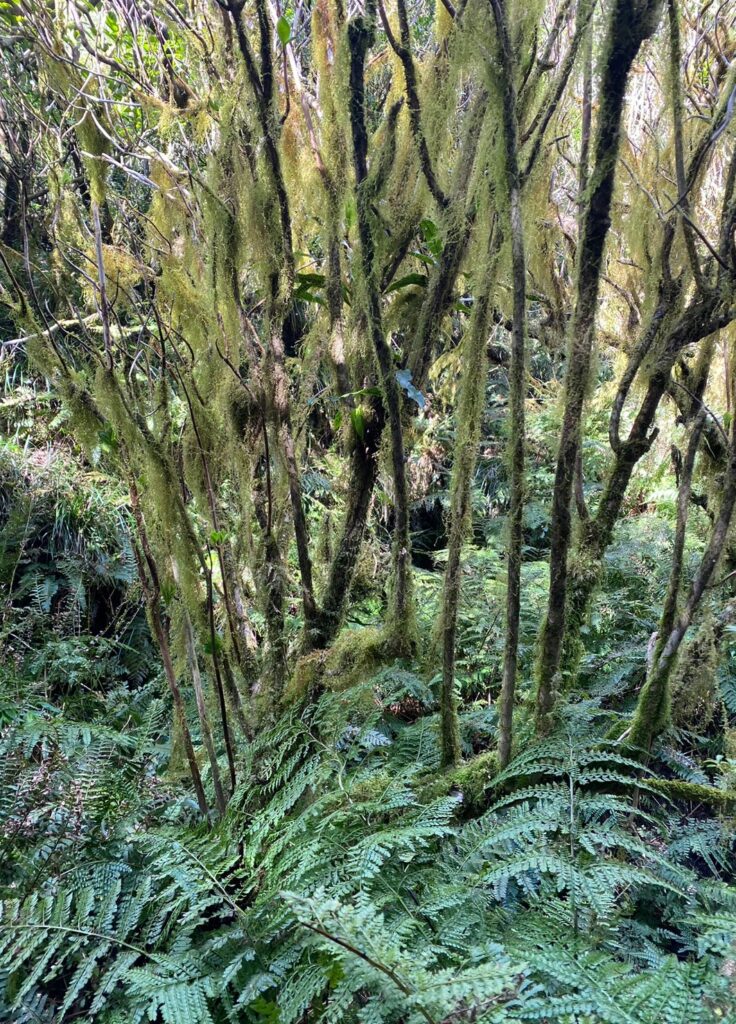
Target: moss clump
pixel 471 779
pixel 353 658
pixel 694 696
pixel 306 675
pixel 722 799
pixel 370 790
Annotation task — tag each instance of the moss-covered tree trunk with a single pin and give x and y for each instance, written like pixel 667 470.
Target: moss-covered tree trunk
pixel 469 416
pixel 670 333
pixel 517 380
pixel 202 710
pixel 630 23
pixel 653 707
pixel 673 325
pixel 669 608
pixel 149 578
pixel 401 613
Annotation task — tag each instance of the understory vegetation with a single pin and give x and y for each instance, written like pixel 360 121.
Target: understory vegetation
pixel 367 479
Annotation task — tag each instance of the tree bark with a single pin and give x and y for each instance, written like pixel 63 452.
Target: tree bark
pixel 470 412
pixel 202 710
pixel 148 575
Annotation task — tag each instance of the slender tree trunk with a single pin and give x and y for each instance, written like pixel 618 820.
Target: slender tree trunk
pixel 583 174
pixel 272 588
pixel 202 710
pixel 148 575
pixel 630 23
pixel 364 467
pixel 401 616
pixel 586 121
pixel 179 706
pixel 727 360
pixel 459 215
pixel 282 410
pixel 469 416
pixel 274 591
pixel 191 646
pixel 678 118
pixel 363 458
pixel 671 327
pixel 669 609
pixel 517 385
pixel 362 479
pixel 219 688
pixel 596 533
pixel 236 701
pixel 652 711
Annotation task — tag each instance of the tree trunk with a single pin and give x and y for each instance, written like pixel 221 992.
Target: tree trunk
pixel 202 710
pixel 652 711
pixel 629 25
pixel 517 382
pixel 152 593
pixel 469 416
pixel 596 533
pixel 401 615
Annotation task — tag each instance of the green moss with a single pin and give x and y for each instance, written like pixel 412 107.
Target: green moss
pixel 653 709
pixel 94 145
pixel 583 579
pixel 693 792
pixel 306 675
pixel 353 658
pixel 471 779
pixel 694 688
pixel 371 789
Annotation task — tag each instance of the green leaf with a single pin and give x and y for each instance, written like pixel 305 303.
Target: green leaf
pixel 431 236
pixel 304 295
pixel 357 418
pixel 283 28
pixel 404 282
pixel 423 258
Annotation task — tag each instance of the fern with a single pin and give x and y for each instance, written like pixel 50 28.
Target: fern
pixel 336 887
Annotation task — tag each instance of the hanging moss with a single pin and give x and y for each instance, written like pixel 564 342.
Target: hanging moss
pixel 94 146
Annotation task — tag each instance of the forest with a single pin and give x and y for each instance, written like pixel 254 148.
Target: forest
pixel 367 534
